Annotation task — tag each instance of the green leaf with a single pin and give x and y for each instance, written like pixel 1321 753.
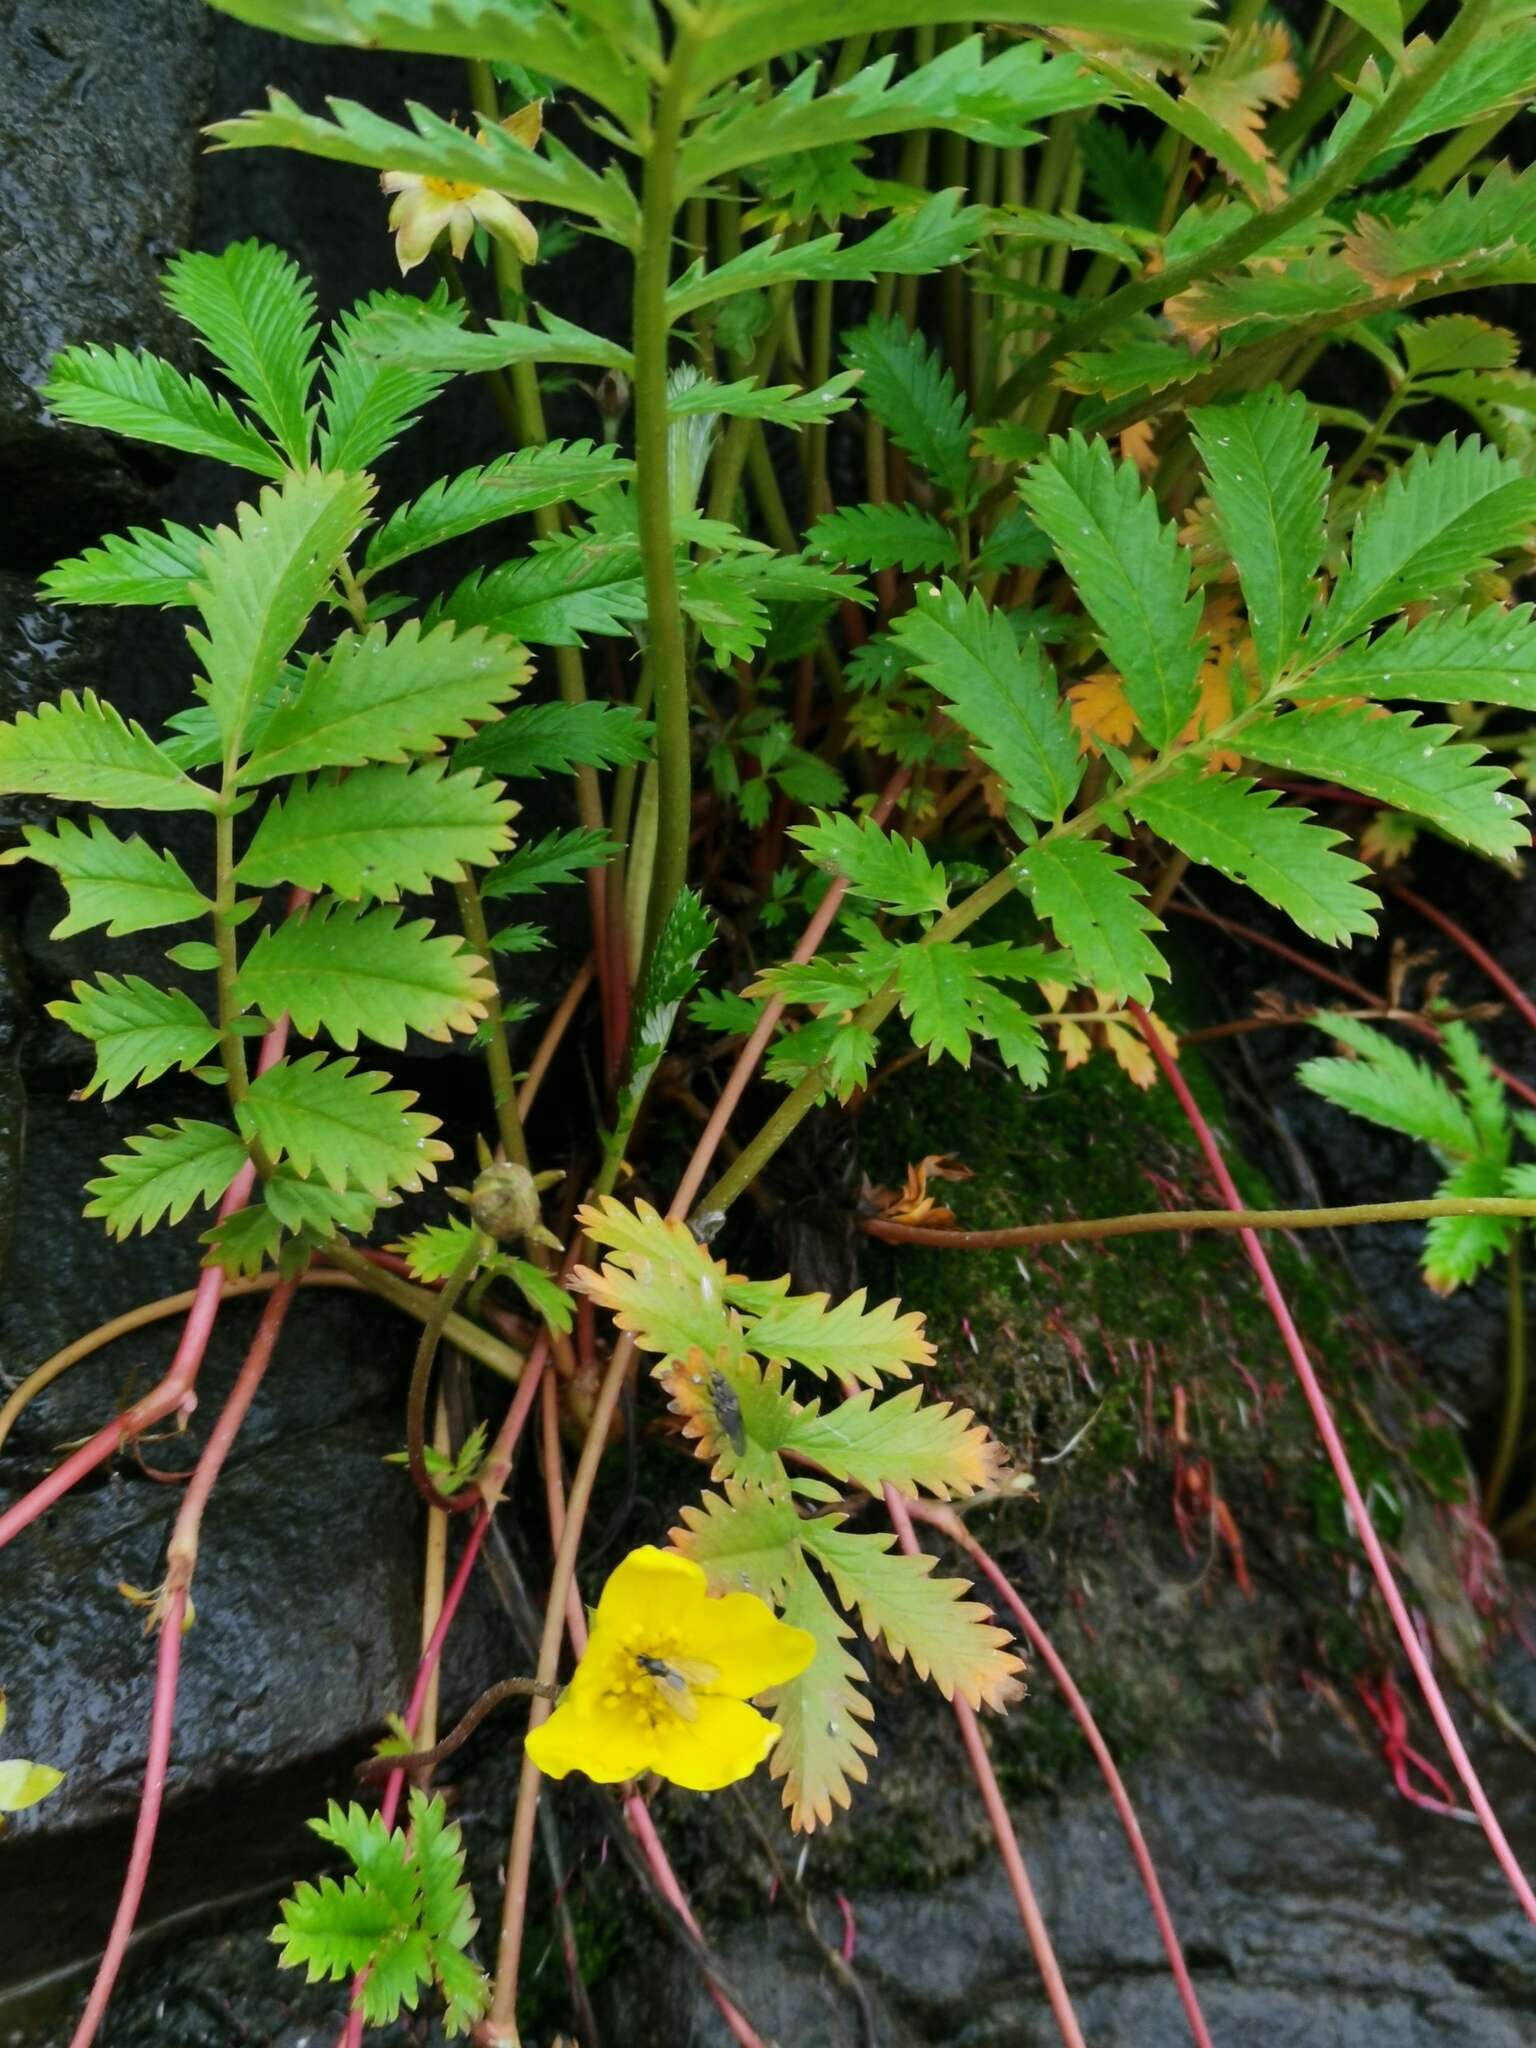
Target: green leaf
pixel 433 1252
pixel 435 148
pixel 378 830
pixel 877 865
pixel 423 337
pixel 538 737
pixel 558 857
pixel 369 403
pixel 1137 364
pixel 81 750
pixel 948 1637
pixel 787 405
pixel 1268 477
pixel 163 1173
pixel 145 399
pixel 349 1128
pixel 763 29
pixel 260 582
pixel 884 537
pixel 908 389
pixel 1388 1086
pixel 241 1244
pixel 1473 235
pixel 1001 692
pixel 1246 833
pixel 1421 769
pixel 256 313
pixel 543 1294
pixel 1487 1104
pixel 1459 657
pixel 1444 516
pixel 1086 892
pixel 375 699
pixel 1381 19
pixel 845 1341
pixel 1130 572
pixel 821 1713
pixel 121 883
pixel 306 1205
pixel 560 590
pixel 145 568
pixel 1458 1248
pixel 525 480
pixel 350 971
pixel 745 1539
pixel 906 1442
pixel 139 1031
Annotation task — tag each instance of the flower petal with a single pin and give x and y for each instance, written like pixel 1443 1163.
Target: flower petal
pixel 23 1784
pixel 496 213
pixel 526 125
pixel 609 1743
pixel 727 1741
pixel 461 227
pixel 401 181
pixel 752 1648
pixel 651 1594
pixel 419 219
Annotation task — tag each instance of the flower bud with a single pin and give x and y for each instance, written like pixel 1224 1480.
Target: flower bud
pixel 505 1203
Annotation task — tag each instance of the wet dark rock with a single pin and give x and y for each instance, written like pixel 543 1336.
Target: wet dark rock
pixel 99 108
pixel 306 1592
pixel 1315 1909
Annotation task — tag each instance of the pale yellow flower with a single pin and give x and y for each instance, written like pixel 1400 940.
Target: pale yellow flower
pixel 425 208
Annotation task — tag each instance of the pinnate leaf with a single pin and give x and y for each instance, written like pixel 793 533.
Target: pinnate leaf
pixel 82 750
pixel 884 537
pixel 1457 657
pixel 1422 769
pixel 1446 514
pixel 351 971
pixel 905 1442
pixel 379 830
pixel 1248 834
pixel 256 313
pixel 559 856
pixel 1131 573
pixel 146 399
pixel 372 698
pixel 537 737
pixel 528 478
pixel 1386 1085
pixel 369 404
pixel 907 388
pixel 822 1712
pixel 744 1540
pixel 144 567
pixel 124 884
pixel 163 1173
pixel 947 1636
pixel 878 866
pixel 259 582
pixel 1268 479
pixel 139 1031
pixel 1001 692
pixel 1086 892
pixel 350 1129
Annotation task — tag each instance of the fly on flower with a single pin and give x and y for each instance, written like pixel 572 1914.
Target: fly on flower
pixel 426 207
pixel 665 1680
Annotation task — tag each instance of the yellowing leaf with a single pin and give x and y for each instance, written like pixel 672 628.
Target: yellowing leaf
pixel 905 1442
pixel 822 1712
pixel 1252 73
pixel 1137 445
pixel 1132 1053
pixel 947 1637
pixel 746 1539
pixel 1100 711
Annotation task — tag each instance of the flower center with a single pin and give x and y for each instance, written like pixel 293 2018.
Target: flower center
pixel 451 188
pixel 664 1684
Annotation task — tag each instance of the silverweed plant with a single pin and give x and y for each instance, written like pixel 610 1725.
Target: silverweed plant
pixel 965 548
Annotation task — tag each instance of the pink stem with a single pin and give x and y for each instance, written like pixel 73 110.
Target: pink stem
pixel 947 1520
pixel 1501 978
pixel 1002 1827
pixel 1338 1457
pixel 181 1559
pixel 175 1390
pixel 498 1464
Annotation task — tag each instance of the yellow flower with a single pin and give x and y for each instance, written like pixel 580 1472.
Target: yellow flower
pixel 425 207
pixel 664 1682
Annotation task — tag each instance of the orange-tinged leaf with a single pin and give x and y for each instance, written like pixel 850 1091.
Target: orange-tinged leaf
pixel 905 1442
pixel 1137 445
pixel 822 1712
pixel 1101 711
pixel 1253 72
pixel 946 1636
pixel 1132 1053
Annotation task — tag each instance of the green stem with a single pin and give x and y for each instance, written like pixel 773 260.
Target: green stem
pixel 1089 1229
pixel 420 1302
pixel 1457 151
pixel 1512 1422
pixel 1260 229
pixel 231 1044
pixel 666 645
pixel 498 1055
pixel 1370 442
